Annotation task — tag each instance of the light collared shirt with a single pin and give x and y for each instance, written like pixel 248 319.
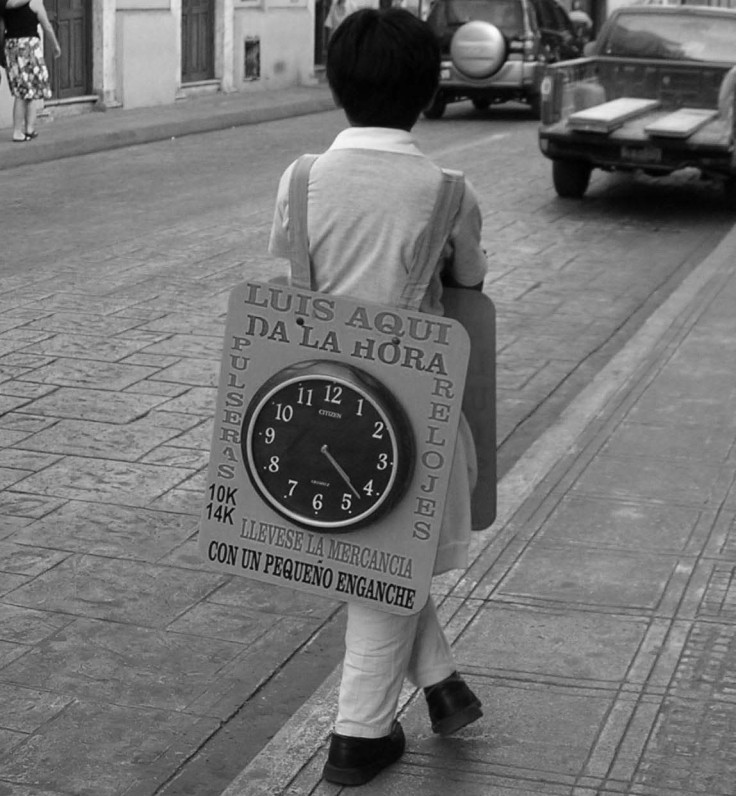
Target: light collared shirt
pixel 371 195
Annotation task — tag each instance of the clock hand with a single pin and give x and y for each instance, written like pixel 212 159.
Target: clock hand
pixel 339 469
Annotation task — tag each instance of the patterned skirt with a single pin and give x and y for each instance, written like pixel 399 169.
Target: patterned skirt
pixel 28 76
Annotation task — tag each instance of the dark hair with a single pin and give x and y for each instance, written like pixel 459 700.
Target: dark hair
pixel 383 67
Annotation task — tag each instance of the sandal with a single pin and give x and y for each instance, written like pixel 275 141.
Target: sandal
pixel 30 136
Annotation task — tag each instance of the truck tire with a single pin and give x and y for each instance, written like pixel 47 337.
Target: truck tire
pixel 571 178
pixel 436 108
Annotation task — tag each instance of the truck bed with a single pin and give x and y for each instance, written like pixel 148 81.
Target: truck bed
pixel 713 133
pixel 585 88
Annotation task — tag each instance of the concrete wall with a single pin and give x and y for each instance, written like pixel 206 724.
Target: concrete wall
pixel 147 72
pixel 284 38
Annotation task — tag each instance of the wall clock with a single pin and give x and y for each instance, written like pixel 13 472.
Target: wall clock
pixel 328 446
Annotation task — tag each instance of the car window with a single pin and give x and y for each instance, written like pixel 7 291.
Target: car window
pixel 685 38
pixel 562 21
pixel 506 15
pixel 534 20
pixel 546 14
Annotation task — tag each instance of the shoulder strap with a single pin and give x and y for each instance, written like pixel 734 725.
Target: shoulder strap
pixel 439 228
pixel 301 266
pixel 446 208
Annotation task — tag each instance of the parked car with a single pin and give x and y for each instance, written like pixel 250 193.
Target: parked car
pixel 656 94
pixel 496 50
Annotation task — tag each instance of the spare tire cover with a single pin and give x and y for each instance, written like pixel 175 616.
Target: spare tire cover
pixel 478 49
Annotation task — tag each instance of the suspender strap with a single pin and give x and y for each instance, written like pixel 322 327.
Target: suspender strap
pixel 301 266
pixel 437 234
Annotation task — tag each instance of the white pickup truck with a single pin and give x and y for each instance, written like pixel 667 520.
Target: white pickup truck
pixel 654 92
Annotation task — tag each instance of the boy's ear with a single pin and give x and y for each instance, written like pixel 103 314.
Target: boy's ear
pixel 337 102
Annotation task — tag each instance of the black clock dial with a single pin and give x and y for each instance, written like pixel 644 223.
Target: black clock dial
pixel 327 446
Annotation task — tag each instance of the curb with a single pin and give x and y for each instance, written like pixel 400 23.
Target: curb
pixel 291 750
pixel 130 132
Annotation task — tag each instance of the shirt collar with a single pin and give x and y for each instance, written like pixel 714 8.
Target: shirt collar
pixel 386 139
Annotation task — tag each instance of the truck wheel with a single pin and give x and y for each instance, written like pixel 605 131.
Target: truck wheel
pixel 481 104
pixel 436 108
pixel 571 178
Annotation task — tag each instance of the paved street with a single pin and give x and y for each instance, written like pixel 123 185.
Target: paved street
pixel 114 275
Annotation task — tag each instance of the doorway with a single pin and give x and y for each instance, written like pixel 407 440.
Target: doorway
pixel 197 40
pixel 71 74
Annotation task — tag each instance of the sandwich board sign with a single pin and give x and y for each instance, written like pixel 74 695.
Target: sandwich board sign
pixel 335 430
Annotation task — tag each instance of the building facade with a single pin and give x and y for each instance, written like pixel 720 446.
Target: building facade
pixel 144 53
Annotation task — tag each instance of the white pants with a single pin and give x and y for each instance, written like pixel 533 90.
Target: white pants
pixel 381 649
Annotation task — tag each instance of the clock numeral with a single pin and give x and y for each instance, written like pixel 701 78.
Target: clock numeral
pixel 292 486
pixel 378 428
pixel 305 396
pixel 317 502
pixel 284 412
pixel 361 401
pixel 270 435
pixel 382 461
pixel 368 488
pixel 273 465
pixel 333 393
pixel 347 501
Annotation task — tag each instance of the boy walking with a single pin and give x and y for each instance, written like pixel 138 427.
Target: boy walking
pixel 371 197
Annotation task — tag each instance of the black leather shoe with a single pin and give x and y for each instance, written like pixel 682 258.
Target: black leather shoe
pixel 355 761
pixel 451 705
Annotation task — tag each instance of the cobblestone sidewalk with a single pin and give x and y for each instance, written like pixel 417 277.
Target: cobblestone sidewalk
pixel 598 621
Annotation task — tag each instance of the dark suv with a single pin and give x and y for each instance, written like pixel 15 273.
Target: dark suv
pixel 495 50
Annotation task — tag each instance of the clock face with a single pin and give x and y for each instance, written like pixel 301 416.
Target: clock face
pixel 327 446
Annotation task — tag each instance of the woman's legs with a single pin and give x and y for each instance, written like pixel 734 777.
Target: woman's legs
pixel 19 119
pixel 24 118
pixel 31 114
